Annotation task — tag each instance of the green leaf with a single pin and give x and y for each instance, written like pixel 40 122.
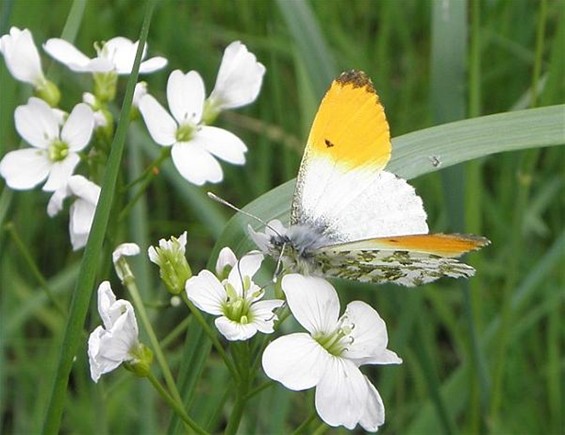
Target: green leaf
pixel 422 152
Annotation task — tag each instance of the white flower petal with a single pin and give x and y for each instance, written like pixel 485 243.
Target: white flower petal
pixel 81 218
pixel 369 336
pixel 60 172
pixel 112 309
pixel 234 331
pixel 21 56
pixel 66 53
pixel 374 415
pixel 108 348
pixel 139 92
pixel 247 266
pixel 239 78
pixel 162 127
pixel 226 258
pixel 37 123
pixel 55 204
pixel 313 302
pixel 84 189
pixel 106 300
pixel 97 65
pixel 341 394
pixel 98 364
pixel 185 94
pixel 121 52
pixel 222 143
pixel 77 130
pixel 196 164
pixel 25 169
pixel 125 250
pixel 262 314
pixel 206 292
pixel 153 64
pixel 296 360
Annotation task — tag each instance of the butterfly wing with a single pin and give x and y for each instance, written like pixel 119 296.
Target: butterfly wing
pixel 341 188
pixel 405 260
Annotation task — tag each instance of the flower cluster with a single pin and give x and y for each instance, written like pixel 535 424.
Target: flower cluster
pixel 327 357
pixel 61 140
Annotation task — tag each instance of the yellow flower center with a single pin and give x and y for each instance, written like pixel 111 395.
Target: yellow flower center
pixel 58 150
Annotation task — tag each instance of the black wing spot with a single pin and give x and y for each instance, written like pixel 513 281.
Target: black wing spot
pixel 328 143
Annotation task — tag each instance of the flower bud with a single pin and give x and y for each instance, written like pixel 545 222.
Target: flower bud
pixel 105 86
pixel 173 267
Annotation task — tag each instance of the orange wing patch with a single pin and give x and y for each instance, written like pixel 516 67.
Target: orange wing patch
pixel 350 126
pixel 443 245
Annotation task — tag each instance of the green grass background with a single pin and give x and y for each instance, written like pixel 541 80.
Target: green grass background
pixel 483 356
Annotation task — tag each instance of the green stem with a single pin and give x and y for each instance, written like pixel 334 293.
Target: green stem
pixel 145 179
pixel 129 282
pixel 176 406
pixel 258 389
pixel 241 354
pixel 175 333
pixel 11 229
pixel 211 335
pixel 237 412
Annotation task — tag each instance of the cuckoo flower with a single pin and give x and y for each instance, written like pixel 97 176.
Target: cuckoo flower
pixel 236 299
pixel 117 340
pixel 238 83
pixel 195 146
pixel 329 355
pixel 86 195
pixel 116 55
pixel 56 147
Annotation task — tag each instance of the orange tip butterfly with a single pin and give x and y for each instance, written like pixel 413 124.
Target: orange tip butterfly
pixel 349 217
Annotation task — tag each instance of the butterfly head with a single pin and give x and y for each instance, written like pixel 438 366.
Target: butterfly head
pixel 293 246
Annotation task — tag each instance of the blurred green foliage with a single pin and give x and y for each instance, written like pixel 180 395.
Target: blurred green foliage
pixel 480 357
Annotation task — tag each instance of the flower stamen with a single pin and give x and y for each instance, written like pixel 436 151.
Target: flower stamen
pixel 58 151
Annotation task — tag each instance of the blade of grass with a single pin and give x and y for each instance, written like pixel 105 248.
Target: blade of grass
pixel 448 77
pixel 313 49
pixel 85 284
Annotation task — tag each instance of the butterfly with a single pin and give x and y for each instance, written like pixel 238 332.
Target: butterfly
pixel 349 217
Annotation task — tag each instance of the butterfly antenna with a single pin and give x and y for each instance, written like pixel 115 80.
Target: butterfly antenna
pixel 233 207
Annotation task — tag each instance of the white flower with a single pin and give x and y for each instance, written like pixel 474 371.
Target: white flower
pixel 55 155
pixel 81 211
pixel 120 263
pixel 239 78
pixel 329 356
pixel 173 267
pixel 22 57
pixel 116 341
pixel 117 55
pixel 236 300
pixel 194 146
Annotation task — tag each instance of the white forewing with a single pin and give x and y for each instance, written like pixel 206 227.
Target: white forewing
pixel 361 203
